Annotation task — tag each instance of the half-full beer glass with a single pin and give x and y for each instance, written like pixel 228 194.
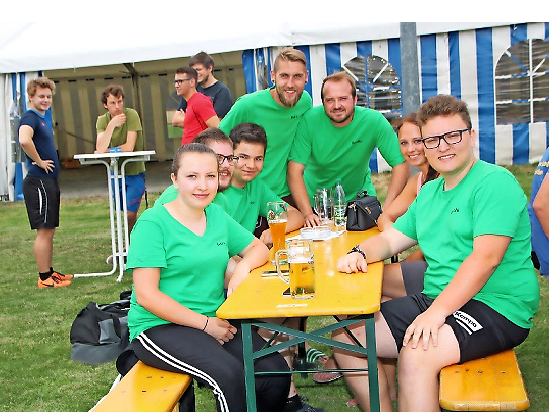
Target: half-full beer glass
pixel 277 216
pixel 302 269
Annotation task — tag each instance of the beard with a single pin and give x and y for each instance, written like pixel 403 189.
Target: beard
pixel 204 80
pixel 287 102
pixel 341 119
pixel 221 187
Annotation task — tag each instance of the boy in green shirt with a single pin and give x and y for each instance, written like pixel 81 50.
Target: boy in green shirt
pixel 480 290
pixel 247 197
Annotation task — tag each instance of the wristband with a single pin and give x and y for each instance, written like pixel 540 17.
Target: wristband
pixel 204 328
pixel 357 249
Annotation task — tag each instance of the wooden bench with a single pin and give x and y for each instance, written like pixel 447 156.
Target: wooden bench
pixel 493 383
pixel 146 389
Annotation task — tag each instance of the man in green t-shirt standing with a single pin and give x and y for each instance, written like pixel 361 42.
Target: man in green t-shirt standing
pixel 278 110
pixel 335 141
pixel 121 127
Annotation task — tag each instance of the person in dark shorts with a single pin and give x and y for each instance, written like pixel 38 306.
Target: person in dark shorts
pixel 40 186
pixel 480 290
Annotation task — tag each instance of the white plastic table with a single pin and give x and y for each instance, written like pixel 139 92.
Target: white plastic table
pixel 115 175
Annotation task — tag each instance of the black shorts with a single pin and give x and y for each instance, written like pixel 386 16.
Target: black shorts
pixel 42 198
pixel 412 274
pixel 479 330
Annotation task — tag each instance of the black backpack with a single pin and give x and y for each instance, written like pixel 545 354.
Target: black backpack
pixel 100 332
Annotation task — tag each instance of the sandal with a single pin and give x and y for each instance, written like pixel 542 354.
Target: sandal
pixel 327 377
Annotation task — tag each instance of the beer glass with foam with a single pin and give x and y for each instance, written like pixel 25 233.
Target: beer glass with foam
pixel 302 271
pixel 277 217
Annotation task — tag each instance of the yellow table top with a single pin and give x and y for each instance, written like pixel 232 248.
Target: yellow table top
pixel 336 293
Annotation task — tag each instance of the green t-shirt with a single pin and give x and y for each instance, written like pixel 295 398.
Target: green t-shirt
pixel 119 135
pixel 170 194
pixel 192 268
pixel 280 124
pixel 487 201
pixel 246 204
pixel 330 153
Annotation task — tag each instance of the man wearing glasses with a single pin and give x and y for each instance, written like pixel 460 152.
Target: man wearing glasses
pixel 480 291
pixel 200 113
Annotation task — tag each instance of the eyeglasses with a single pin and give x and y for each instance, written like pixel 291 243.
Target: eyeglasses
pixel 179 81
pixel 231 160
pixel 453 137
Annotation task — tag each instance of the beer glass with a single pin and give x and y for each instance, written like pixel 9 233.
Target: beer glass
pixel 300 259
pixel 324 205
pixel 277 217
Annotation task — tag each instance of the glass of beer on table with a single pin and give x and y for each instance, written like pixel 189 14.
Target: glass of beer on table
pixel 277 216
pixel 300 259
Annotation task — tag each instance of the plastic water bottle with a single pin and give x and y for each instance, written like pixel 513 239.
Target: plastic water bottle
pixel 340 204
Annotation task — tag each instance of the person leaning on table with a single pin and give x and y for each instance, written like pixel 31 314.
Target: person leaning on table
pixel 480 290
pixel 178 257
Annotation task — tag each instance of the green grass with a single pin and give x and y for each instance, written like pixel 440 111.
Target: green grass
pixel 36 372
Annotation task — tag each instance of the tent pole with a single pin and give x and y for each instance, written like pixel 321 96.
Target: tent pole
pixel 410 67
pixel 137 95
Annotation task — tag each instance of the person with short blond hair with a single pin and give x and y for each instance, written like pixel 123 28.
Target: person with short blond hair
pixel 279 110
pixel 40 186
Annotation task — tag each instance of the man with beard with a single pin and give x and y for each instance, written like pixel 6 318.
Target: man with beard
pixel 335 141
pixel 278 110
pixel 209 86
pixel 222 145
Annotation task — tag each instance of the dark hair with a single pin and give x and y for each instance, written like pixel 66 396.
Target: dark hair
pixel 40 82
pixel 189 71
pixel 339 77
pixel 190 148
pixel 212 134
pixel 202 58
pixel 112 89
pixel 248 132
pixel 443 105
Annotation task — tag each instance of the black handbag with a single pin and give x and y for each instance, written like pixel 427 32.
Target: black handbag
pixel 362 212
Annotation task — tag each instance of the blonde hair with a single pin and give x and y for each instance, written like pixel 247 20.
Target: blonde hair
pixel 290 54
pixel 40 82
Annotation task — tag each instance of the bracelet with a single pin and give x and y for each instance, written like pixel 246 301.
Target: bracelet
pixel 204 328
pixel 359 250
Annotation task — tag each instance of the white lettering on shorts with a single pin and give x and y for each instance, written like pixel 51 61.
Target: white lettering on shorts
pixel 466 321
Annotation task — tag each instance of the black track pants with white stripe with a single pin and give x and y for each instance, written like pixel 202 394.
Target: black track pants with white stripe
pixel 188 350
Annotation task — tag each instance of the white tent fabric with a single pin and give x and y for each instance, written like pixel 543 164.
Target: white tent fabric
pixel 73 44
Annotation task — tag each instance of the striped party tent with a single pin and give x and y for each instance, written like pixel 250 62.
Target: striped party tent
pixel 500 69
